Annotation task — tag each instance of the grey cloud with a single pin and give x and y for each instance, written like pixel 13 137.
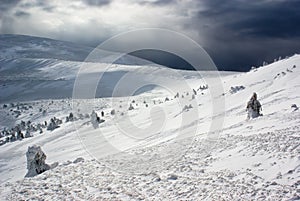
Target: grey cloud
pixel 44 5
pixel 6 25
pixel 22 14
pixel 34 4
pixel 7 5
pixel 50 9
pixel 98 3
pixel 157 2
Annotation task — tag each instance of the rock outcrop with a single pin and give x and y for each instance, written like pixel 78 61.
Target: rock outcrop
pixel 36 161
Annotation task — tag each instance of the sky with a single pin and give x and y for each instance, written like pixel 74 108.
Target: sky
pixel 237 34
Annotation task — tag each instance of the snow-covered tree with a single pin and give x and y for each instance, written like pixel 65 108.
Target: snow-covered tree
pixel 195 92
pixel 12 137
pixel 187 107
pixel 20 135
pixel 23 125
pixel 95 119
pixel 71 117
pixel 130 107
pixel 2 142
pixel 27 134
pixel 54 123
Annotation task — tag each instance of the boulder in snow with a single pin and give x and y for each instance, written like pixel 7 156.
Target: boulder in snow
pixel 294 107
pixel 113 112
pixel 172 177
pixel 78 160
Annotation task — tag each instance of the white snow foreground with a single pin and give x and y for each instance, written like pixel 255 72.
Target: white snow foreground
pixel 250 160
pixel 248 168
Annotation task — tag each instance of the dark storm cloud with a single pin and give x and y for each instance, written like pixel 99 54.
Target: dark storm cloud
pixel 98 3
pixel 22 14
pixel 44 5
pixel 242 33
pixel 6 5
pixel 277 22
pixel 256 18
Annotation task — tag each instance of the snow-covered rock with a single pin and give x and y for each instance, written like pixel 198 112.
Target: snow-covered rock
pixel 36 161
pixel 236 89
pixel 294 107
pixel 187 107
pixel 78 160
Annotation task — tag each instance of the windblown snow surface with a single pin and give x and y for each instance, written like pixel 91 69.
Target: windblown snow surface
pixel 257 159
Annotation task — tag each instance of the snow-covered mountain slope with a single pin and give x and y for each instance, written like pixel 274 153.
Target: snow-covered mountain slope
pixel 34 79
pixel 23 46
pixel 33 68
pixel 255 159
